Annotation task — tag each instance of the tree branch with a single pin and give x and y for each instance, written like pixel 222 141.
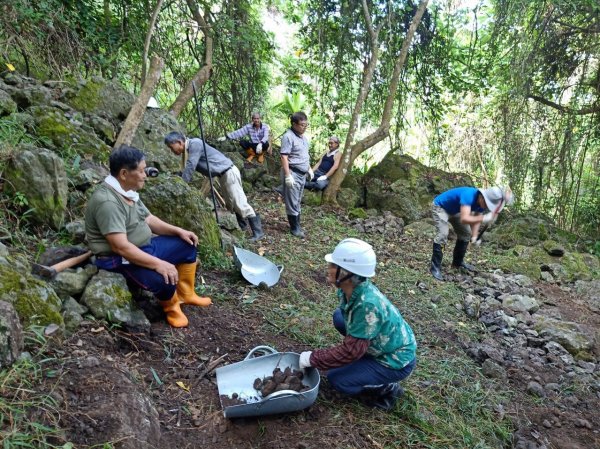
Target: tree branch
pixel 565 109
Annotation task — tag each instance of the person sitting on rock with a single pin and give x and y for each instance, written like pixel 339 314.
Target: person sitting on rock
pixel 119 231
pixel 379 347
pixel 325 166
pixel 194 158
pixel 464 208
pixel 258 134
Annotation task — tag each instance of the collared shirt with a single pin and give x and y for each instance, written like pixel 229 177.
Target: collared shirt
pixel 295 147
pixel 369 315
pixel 195 160
pixel 256 135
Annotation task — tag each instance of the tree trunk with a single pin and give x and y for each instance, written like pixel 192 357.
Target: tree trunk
pixel 205 71
pixel 148 39
pixel 353 150
pixel 139 107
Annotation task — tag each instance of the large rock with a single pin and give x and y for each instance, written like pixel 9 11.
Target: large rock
pixel 519 303
pixel 406 187
pixel 7 105
pixel 572 336
pixel 11 335
pixel 120 413
pixel 97 96
pixel 67 133
pixel 108 298
pixel 174 201
pixel 35 301
pixel 40 176
pixel 527 229
pixel 149 138
pixel 72 282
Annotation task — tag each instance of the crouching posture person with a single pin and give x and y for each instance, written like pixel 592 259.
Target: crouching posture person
pixel 464 208
pixel 379 347
pixel 119 231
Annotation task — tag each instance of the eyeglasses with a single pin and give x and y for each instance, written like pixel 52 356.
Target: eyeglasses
pixel 302 124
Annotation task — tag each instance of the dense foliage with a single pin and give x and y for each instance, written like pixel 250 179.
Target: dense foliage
pixel 507 91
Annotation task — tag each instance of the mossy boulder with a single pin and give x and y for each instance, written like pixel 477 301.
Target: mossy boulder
pixel 40 177
pixel 66 134
pixel 406 187
pixel 109 298
pixel 528 229
pixel 349 198
pixel 7 105
pixel 312 198
pixel 357 212
pixel 531 260
pixel 101 97
pixel 174 201
pixel 34 300
pixel 150 136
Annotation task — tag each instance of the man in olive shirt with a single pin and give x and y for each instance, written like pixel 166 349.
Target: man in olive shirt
pixel 119 231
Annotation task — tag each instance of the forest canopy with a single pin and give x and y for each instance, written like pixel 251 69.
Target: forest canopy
pixel 506 91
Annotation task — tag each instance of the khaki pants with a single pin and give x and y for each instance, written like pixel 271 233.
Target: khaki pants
pixel 441 220
pixel 233 193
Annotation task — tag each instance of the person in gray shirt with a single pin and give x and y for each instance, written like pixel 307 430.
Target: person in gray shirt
pixel 295 166
pixel 195 159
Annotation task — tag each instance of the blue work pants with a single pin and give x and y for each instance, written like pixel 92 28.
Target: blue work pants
pixel 165 247
pixel 351 379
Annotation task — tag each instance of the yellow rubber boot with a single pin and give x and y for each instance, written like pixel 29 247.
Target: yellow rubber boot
pixel 172 309
pixel 185 286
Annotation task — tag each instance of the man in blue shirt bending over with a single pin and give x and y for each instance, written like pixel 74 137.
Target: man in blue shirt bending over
pixel 464 208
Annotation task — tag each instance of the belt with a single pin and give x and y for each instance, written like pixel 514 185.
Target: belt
pixel 297 170
pixel 224 171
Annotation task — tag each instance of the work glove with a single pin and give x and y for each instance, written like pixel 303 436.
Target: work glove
pixel 475 241
pixel 289 180
pixel 310 174
pixel 259 148
pixel 488 218
pixel 304 361
pixel 222 139
pixel 322 178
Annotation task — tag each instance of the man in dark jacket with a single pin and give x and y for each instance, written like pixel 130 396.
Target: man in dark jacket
pixel 194 158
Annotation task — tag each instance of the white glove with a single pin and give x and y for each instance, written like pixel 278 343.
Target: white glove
pixel 289 180
pixel 487 218
pixel 322 178
pixel 475 241
pixel 311 174
pixel 304 361
pixel 221 139
pixel 259 148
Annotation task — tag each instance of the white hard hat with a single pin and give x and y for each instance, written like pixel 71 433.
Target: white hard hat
pixel 152 103
pixel 354 256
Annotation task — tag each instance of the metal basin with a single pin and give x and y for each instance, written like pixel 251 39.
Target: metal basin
pixel 257 269
pixel 239 378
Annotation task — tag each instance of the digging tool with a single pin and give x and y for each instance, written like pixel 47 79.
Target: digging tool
pixel 212 187
pixel 50 272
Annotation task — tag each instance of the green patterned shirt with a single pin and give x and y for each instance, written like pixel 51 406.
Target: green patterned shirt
pixel 369 315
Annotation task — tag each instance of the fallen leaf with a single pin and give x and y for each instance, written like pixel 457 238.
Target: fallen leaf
pixel 98 329
pixel 10 67
pixel 183 386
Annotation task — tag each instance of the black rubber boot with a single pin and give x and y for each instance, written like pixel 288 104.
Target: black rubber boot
pixel 256 226
pixel 458 257
pixel 383 397
pixel 295 229
pixel 241 222
pixel 436 262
